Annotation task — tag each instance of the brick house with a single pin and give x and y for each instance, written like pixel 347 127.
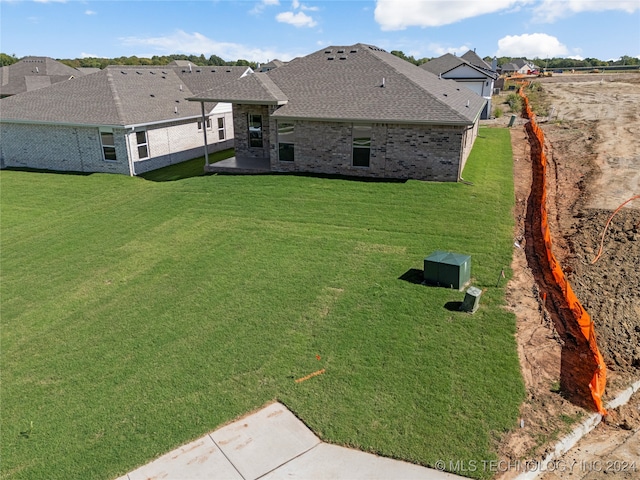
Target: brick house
pixel 352 110
pixel 470 70
pixel 123 119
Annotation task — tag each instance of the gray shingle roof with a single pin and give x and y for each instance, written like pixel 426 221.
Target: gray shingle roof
pixel 474 59
pixel 443 64
pixel 31 73
pixel 117 95
pixel 448 62
pixel 343 83
pixel 257 88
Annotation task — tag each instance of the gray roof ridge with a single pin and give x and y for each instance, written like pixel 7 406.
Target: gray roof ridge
pixel 115 96
pixel 435 97
pixel 270 86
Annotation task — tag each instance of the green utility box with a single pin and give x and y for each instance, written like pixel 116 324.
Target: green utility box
pixel 446 269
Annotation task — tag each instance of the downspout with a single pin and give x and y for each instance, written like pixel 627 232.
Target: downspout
pixel 132 172
pixel 204 131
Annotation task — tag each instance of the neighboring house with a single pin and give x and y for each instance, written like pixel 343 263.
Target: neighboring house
pixel 270 65
pixel 33 73
pixel 469 70
pixel 123 119
pixel 519 66
pixel 353 110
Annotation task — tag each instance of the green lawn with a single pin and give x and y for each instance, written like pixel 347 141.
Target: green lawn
pixel 138 315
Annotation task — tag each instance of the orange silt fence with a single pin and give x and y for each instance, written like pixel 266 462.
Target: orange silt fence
pixel 579 320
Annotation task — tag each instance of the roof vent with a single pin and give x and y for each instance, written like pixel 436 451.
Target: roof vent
pixel 164 73
pixel 139 73
pixel 344 57
pixel 213 70
pixel 180 87
pixel 175 109
pixel 152 73
pixel 229 71
pixel 37 70
pixel 123 72
pixel 341 50
pixel 355 50
pixel 330 58
pixel 445 94
pixel 152 95
pixel 467 103
pixel 383 83
pixel 328 51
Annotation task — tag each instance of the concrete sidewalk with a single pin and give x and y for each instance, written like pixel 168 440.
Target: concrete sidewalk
pixel 273 444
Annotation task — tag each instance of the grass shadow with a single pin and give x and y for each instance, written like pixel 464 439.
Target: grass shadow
pixel 453 306
pixel 413 275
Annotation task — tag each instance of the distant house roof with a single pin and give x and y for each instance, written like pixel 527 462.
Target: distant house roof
pixel 271 65
pixel 32 73
pixel 353 83
pixel 474 59
pixel 448 62
pixel 510 67
pixel 116 96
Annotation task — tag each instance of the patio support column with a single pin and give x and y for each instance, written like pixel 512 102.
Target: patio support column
pixel 204 131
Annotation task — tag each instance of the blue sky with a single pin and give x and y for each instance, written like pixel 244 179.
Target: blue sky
pixel 261 30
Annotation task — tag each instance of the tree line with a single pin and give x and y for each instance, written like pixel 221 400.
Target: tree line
pixel 94 62
pixel 214 60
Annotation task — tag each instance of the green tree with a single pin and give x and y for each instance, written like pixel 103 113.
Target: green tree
pixel 6 60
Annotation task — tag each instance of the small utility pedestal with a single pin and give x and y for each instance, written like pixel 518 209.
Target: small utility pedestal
pixel 471 300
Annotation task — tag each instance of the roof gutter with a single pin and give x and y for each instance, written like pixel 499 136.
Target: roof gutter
pixel 378 120
pixel 236 101
pixel 133 125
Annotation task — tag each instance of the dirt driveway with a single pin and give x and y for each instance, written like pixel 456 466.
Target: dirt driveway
pixel 594 165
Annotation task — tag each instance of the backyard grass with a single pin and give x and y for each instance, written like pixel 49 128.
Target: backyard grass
pixel 137 315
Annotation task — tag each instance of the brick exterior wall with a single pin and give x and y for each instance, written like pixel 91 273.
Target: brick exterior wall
pixel 398 151
pixel 241 130
pixel 61 148
pixel 67 148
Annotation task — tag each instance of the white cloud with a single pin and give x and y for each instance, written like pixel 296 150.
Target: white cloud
pixel 440 50
pixel 576 57
pixel 50 1
pixel 260 6
pixel 90 12
pixel 551 10
pixel 195 43
pixel 88 55
pixel 532 45
pixel 299 19
pixel 400 14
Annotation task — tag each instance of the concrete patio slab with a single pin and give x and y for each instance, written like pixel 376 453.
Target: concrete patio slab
pixel 340 463
pixel 273 444
pixel 198 460
pixel 240 165
pixel 265 440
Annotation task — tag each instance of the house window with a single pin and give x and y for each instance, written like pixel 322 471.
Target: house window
pixel 255 130
pixel 108 146
pixel 208 124
pixel 286 141
pixel 143 144
pixel 221 128
pixel 361 145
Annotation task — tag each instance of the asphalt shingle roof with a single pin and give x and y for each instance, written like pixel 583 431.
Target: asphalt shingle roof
pixel 31 73
pixel 448 62
pixel 117 95
pixel 344 83
pixel 474 59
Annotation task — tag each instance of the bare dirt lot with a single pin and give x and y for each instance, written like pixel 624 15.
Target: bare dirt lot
pixel 594 166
